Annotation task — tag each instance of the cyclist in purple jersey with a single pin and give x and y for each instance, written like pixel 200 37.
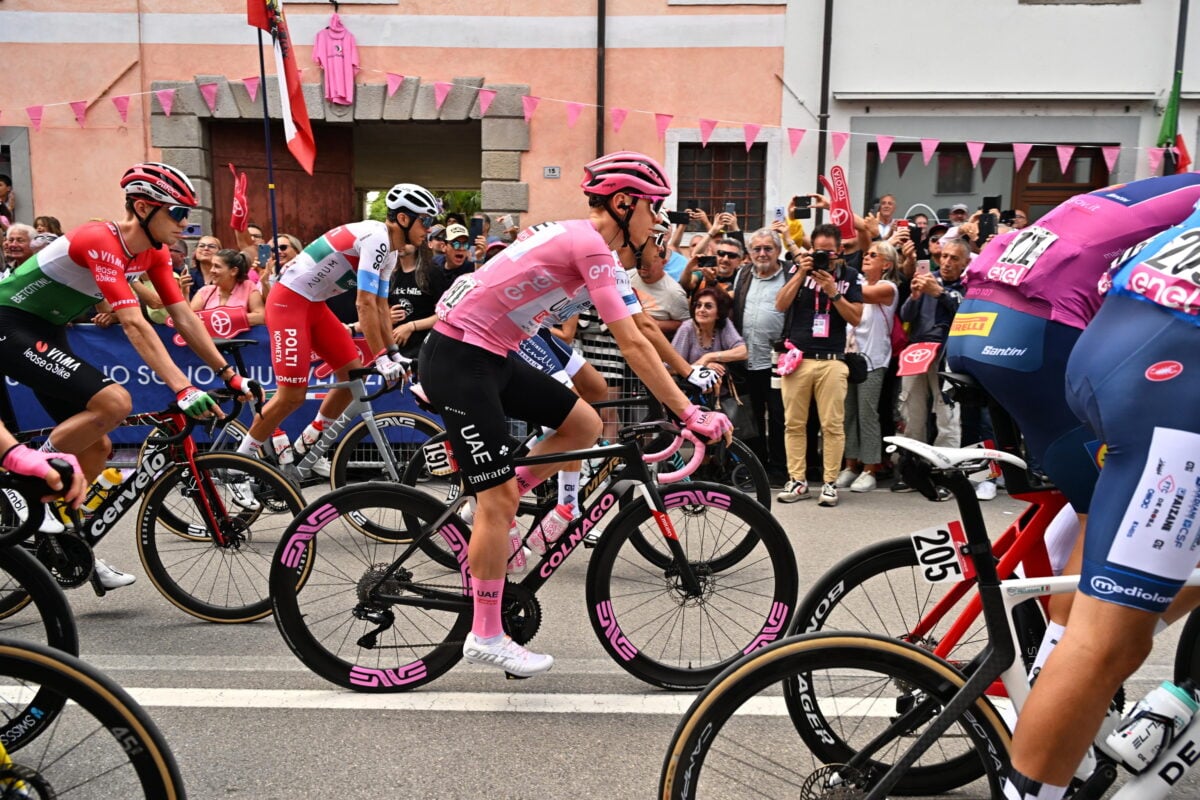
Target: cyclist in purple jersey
pixel 544 278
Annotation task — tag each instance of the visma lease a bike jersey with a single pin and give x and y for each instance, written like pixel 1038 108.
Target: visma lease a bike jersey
pixel 1051 269
pixel 78 270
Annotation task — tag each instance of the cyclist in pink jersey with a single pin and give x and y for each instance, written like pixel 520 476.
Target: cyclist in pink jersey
pixel 360 256
pixel 543 278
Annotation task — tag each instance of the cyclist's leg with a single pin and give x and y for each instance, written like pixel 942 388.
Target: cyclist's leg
pixel 1133 563
pixel 335 347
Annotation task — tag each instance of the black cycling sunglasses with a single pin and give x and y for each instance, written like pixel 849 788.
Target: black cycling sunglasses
pixel 177 213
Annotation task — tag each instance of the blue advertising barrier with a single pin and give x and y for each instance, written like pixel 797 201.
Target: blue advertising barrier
pixel 110 351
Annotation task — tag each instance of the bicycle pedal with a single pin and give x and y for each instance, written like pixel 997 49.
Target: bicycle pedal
pixel 1104 776
pixel 511 677
pixel 97 586
pixel 592 539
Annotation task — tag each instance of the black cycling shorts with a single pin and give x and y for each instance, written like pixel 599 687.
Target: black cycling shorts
pixel 37 354
pixel 477 391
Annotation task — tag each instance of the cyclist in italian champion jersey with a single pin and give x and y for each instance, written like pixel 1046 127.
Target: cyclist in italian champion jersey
pixel 360 257
pixel 94 262
pixel 1133 377
pixel 467 371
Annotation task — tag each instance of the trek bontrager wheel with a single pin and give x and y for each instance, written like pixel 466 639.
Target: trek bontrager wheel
pixel 358 622
pixel 357 458
pixel 646 620
pixel 880 589
pixel 101 743
pixel 215 582
pixel 737 739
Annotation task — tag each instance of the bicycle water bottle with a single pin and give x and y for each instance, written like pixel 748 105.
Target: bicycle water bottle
pixel 309 436
pixel 283 446
pixel 516 550
pixel 549 529
pixel 102 488
pixel 1151 725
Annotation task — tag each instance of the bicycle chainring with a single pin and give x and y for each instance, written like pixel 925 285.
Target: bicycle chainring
pixel 834 782
pixel 19 781
pixel 68 557
pixel 521 613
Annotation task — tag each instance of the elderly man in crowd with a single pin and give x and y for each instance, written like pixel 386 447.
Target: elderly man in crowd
pixel 18 246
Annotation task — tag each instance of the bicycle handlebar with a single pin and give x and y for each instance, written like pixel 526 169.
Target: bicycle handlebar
pixel 698 448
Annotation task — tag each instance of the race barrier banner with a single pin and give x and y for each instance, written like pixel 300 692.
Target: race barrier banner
pixel 110 351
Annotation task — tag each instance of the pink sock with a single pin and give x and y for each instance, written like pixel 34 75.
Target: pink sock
pixel 487 624
pixel 526 480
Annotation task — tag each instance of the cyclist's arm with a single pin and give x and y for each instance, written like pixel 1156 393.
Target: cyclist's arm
pixel 374 320
pixel 646 363
pixel 143 338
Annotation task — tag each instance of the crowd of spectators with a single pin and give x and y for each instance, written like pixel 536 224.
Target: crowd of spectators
pixel 730 299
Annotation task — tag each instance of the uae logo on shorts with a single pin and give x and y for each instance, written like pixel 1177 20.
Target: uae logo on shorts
pixel 1163 371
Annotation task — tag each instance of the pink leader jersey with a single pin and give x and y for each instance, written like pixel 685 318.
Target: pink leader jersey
pixel 337 53
pixel 1052 268
pixel 550 273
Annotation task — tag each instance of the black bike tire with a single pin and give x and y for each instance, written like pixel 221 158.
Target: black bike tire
pixel 414 472
pixel 38 588
pixel 699 731
pixel 704 498
pixel 296 624
pixel 167 518
pixel 341 457
pixel 160 568
pixel 12 530
pixel 1187 652
pixel 107 703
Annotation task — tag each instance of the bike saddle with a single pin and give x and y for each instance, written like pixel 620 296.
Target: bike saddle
pixel 953 457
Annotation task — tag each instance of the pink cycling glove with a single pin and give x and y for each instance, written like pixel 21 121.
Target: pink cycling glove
pixel 24 461
pixel 709 425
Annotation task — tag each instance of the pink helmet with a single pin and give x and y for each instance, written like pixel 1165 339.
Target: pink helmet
pixel 625 171
pixel 161 183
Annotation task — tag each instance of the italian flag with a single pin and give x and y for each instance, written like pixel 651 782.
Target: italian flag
pixel 268 16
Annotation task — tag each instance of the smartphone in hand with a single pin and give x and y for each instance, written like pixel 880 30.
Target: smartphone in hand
pixel 265 252
pixel 730 208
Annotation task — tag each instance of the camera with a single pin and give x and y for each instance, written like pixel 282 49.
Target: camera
pixel 1008 217
pixel 821 260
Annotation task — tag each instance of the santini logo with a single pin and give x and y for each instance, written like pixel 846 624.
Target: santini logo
pixel 1107 586
pixel 988 350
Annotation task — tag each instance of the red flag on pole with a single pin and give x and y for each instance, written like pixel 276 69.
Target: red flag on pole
pixel 268 15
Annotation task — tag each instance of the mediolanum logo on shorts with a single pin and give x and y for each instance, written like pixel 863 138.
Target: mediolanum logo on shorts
pixel 1163 371
pixel 1106 587
pixel 973 324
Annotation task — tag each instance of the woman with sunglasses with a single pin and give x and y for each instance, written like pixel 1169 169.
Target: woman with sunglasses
pixel 359 256
pixel 287 247
pixel 95 262
pixel 550 273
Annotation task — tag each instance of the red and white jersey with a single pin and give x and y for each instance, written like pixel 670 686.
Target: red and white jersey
pixel 357 256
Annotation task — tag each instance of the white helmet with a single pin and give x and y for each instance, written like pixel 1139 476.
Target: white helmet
pixel 412 199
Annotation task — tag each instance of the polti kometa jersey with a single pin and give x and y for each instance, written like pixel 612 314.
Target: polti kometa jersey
pixel 357 256
pixel 548 275
pixel 1052 268
pixel 78 270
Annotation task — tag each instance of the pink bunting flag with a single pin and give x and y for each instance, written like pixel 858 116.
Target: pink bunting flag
pixel 661 123
pixel 486 96
pixel 121 101
pixel 706 128
pixel 393 83
pixel 1110 156
pixel 928 147
pixel 618 118
pixel 35 119
pixel 839 142
pixel 166 99
pixel 795 136
pixel 1065 152
pixel 974 149
pixel 209 91
pixel 441 90
pixel 1154 157
pixel 902 160
pixel 885 145
pixel 985 166
pixel 751 132
pixel 1020 153
pixel 529 104
pixel 573 111
pixel 79 107
pixel 251 85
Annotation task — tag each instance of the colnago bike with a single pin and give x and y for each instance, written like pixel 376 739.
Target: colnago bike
pixel 207 523
pixel 874 717
pixel 382 613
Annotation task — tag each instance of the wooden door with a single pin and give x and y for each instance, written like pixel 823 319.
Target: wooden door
pixel 307 206
pixel 1041 184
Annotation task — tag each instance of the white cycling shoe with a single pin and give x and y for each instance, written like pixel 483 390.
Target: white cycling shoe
pixel 242 495
pixel 505 654
pixel 111 577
